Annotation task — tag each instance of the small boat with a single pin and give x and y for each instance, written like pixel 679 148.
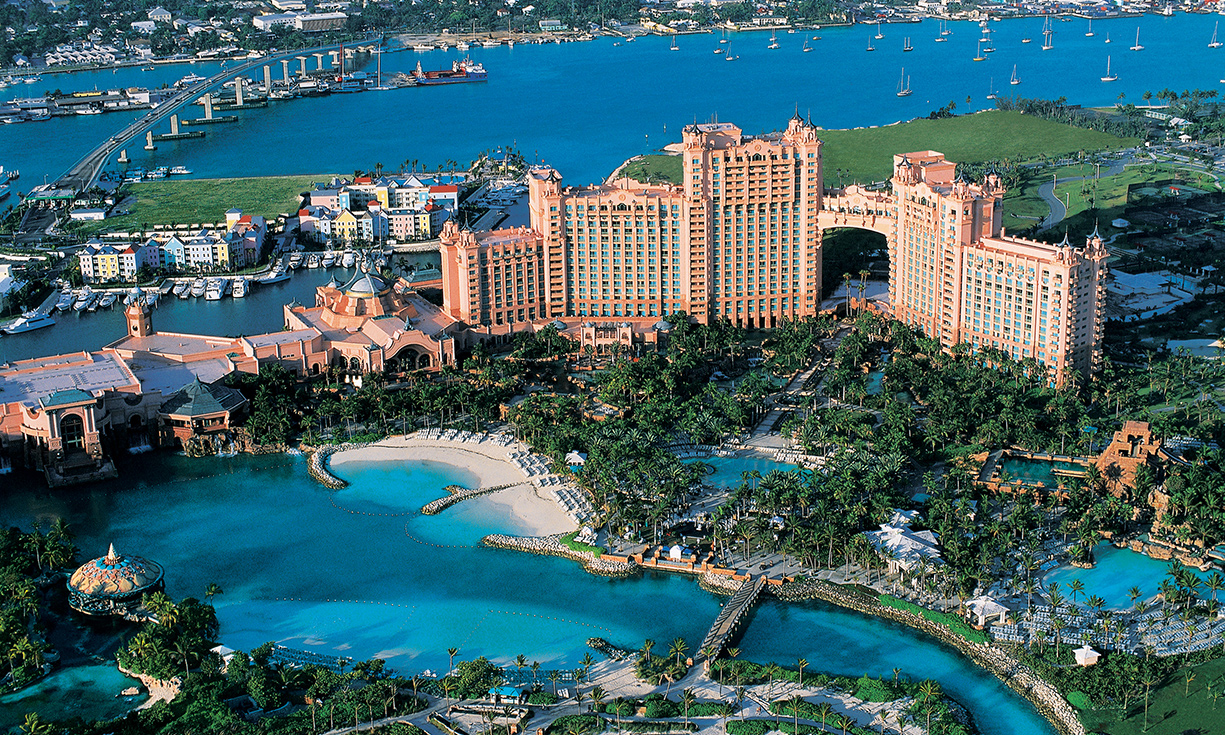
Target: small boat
pixel 906 45
pixel 94 300
pixel 215 289
pixel 903 85
pixel 151 299
pixel 179 171
pixel 312 261
pixel 979 56
pixel 870 44
pixel 197 287
pixel 490 44
pixel 991 88
pixel 107 300
pixel 1107 36
pixel 1047 44
pixel 28 322
pixel 1137 47
pixel 180 289
pixel 422 47
pixel 773 41
pixel 295 261
pixel 1089 33
pixel 65 302
pixel 276 276
pixel 1014 81
pixel 329 259
pixel 89 111
pixel 1110 77
pixel 674 46
pixel 807 48
pixel 1027 39
pixel 944 28
pixel 879 35
pixel 462 46
pixel 1214 43
pixel 719 50
pixel 83 299
pixel 348 259
pixel 240 288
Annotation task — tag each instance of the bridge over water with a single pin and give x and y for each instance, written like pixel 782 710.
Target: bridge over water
pixel 730 616
pixel 85 171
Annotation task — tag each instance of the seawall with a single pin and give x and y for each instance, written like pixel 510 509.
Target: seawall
pixel 551 546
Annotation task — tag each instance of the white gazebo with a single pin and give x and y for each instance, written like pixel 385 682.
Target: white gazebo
pixel 1086 656
pixel 984 608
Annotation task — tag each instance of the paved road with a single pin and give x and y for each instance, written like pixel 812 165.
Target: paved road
pixel 1058 210
pixel 85 171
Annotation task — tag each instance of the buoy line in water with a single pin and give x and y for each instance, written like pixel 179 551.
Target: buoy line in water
pixel 431 543
pixel 337 506
pixel 549 617
pixel 194 478
pixel 353 602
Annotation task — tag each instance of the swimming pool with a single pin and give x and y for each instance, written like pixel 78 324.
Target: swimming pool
pixel 1032 470
pixel 727 470
pixel 1117 571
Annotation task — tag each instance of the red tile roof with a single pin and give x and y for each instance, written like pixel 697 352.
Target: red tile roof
pixel 444 189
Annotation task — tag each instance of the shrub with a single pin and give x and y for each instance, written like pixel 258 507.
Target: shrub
pixel 1079 700
pixel 952 622
pixel 542 698
pixel 748 727
pixel 660 707
pixel 875 690
pixel 576 723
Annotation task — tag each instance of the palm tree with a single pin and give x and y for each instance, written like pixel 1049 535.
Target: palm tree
pixel 451 652
pixel 554 676
pixel 678 649
pixel 687 700
pixel 824 710
pixel 212 590
pixel 927 688
pixel 181 648
pixel 1148 685
pixel 597 696
pixel 795 702
pixel 33 725
pixel 801 664
pixel 1075 587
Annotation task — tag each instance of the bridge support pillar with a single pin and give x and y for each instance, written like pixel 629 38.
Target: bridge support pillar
pixel 174 124
pixel 302 71
pixel 238 91
pixel 149 141
pixel 208 106
pixel 267 79
pixel 285 71
pixel 319 61
pixel 123 156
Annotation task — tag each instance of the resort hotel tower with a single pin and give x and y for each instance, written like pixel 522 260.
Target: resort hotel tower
pixel 739 238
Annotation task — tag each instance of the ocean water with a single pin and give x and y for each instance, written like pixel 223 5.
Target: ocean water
pixel 585 107
pixel 359 573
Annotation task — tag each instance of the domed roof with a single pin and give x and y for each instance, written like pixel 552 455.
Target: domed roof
pixel 115 575
pixel 365 284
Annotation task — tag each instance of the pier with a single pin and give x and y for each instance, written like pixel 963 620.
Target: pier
pixel 730 616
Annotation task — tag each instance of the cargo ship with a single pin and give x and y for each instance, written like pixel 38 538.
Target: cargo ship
pixel 464 70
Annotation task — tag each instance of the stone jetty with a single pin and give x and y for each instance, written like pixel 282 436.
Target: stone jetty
pixel 552 546
pixel 457 494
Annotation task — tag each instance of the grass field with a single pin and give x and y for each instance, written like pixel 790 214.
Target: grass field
pixel 654 167
pixel 866 154
pixel 1173 707
pixel 206 200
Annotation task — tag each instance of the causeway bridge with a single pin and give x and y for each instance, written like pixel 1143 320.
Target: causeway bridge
pixel 84 173
pixel 730 616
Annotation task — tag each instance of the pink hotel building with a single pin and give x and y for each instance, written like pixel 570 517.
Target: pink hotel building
pixel 740 239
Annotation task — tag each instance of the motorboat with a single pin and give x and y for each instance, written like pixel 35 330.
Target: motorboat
pixel 83 299
pixel 107 300
pixel 28 322
pixel 65 302
pixel 181 288
pixel 295 261
pixel 312 261
pixel 197 287
pixel 329 259
pixel 214 289
pixel 349 259
pixel 276 276
pixel 240 288
pixel 151 299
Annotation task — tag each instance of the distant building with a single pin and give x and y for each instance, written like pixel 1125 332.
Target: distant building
pixel 272 20
pixel 316 22
pixel 160 15
pixel 552 26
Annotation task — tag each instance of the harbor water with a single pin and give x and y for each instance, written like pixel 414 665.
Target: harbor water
pixel 582 108
pixel 361 573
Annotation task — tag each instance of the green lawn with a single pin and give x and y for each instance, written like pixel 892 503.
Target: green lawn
pixel 655 167
pixel 206 200
pixel 866 154
pixel 1173 708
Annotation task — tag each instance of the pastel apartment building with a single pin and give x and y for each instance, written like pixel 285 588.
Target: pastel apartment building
pixel 740 238
pixel 399 208
pixel 238 246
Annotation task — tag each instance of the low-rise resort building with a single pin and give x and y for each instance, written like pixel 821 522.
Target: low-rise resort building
pixel 113 584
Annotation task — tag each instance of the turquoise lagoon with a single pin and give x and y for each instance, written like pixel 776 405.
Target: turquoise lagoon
pixel 359 572
pixel 1034 470
pixel 1117 571
pixel 78 691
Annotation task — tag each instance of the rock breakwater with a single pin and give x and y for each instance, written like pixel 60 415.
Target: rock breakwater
pixel 552 546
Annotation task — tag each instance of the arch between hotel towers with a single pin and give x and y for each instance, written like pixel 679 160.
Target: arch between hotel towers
pixel 740 237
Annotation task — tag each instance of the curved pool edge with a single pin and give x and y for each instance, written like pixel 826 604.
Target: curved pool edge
pixel 1040 693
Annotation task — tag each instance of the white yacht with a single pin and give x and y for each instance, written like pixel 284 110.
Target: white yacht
pixel 28 322
pixel 312 261
pixel 197 287
pixel 240 288
pixel 181 288
pixel 107 301
pixel 329 259
pixel 348 259
pixel 84 299
pixel 215 289
pixel 295 261
pixel 65 302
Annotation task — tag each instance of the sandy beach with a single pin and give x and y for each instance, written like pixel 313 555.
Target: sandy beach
pixel 531 508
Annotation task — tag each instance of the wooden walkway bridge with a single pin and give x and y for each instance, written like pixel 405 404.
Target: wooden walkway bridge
pixel 731 614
